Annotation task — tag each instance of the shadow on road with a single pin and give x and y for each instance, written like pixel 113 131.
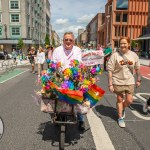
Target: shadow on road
pixel 138 106
pixel 106 111
pixel 50 132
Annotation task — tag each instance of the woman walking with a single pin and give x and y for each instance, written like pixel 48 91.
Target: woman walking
pixel 121 67
pixel 40 60
pixel 31 55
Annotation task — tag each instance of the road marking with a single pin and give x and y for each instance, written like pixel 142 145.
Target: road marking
pixel 100 135
pixel 146 78
pixel 137 114
pixel 130 121
pixel 15 76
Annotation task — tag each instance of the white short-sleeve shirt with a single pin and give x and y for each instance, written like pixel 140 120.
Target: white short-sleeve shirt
pixel 60 54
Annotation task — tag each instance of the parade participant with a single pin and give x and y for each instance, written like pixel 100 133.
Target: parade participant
pixel 107 54
pixel 65 54
pixel 14 55
pixel 50 52
pixel 31 55
pixel 121 66
pixel 40 60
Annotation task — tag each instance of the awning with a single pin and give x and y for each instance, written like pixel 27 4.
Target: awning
pixel 14 41
pixel 144 37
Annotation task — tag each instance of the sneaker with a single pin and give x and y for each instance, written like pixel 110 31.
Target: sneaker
pixel 81 125
pixel 121 123
pixel 33 72
pixel 145 108
pixel 123 114
pixel 39 76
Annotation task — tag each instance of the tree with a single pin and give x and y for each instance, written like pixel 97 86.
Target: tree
pixel 20 43
pixel 47 40
pixel 53 42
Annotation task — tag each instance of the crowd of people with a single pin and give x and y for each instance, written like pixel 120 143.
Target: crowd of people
pixel 121 66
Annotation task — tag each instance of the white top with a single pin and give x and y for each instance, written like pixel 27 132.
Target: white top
pixel 65 56
pixel 40 58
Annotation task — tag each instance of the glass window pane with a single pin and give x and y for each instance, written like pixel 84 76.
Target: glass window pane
pixel 118 17
pixel 14 4
pixel 125 18
pixel 122 5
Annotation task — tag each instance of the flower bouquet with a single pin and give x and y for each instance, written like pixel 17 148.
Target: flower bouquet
pixel 74 85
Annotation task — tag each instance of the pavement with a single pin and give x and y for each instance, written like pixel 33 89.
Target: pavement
pixel 145 62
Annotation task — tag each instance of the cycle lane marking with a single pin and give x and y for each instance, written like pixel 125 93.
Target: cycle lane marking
pixel 136 113
pixel 100 135
pixel 9 78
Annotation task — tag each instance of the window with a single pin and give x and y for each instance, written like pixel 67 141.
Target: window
pixel 15 31
pixel 1 30
pixel 125 18
pixel 15 18
pixel 118 17
pixel 0 5
pixel 14 4
pixel 122 5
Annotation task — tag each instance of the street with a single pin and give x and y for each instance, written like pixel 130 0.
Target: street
pixel 27 128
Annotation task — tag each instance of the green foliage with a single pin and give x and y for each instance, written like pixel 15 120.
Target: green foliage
pixel 20 43
pixel 47 40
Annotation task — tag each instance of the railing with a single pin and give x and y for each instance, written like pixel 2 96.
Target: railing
pixel 6 66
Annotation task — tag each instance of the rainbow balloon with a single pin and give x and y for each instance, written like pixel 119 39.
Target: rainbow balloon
pixel 94 94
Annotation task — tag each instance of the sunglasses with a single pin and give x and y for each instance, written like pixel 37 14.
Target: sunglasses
pixel 66 40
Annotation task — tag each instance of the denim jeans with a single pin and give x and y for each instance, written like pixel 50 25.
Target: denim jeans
pixel 80 117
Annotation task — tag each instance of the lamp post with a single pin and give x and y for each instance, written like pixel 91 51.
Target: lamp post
pixel 5 29
pixel 108 16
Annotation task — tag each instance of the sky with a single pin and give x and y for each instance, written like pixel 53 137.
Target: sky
pixel 70 15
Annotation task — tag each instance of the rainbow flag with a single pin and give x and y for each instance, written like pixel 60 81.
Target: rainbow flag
pixel 94 94
pixel 69 96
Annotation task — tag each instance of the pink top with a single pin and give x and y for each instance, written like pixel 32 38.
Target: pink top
pixel 50 54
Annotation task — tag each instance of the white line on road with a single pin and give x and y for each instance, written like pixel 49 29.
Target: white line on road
pixel 146 78
pixel 100 136
pixel 131 121
pixel 15 76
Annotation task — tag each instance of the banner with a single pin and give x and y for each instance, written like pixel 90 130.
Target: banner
pixel 93 57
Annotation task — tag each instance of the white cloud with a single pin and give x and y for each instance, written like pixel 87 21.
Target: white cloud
pixel 61 21
pixel 72 28
pixel 85 19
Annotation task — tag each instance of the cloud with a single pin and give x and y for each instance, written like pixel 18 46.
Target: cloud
pixel 61 21
pixel 85 19
pixel 72 28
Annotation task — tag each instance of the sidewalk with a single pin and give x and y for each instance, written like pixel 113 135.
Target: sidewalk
pixel 145 62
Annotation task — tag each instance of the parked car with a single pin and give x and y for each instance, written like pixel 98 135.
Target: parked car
pixel 2 55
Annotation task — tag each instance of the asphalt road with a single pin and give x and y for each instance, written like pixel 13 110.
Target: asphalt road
pixel 26 128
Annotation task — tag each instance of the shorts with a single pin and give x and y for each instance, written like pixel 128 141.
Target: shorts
pixel 32 61
pixel 124 89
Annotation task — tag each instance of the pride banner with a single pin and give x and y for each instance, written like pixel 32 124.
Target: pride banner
pixel 94 94
pixel 93 57
pixel 69 96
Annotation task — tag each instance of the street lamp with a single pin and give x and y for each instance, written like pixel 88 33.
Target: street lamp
pixel 107 17
pixel 5 29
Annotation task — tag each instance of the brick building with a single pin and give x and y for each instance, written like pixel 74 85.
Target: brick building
pixel 124 18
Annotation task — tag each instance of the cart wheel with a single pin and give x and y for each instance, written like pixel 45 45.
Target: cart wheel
pixel 62 137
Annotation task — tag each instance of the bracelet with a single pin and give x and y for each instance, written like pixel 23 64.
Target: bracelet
pixel 139 81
